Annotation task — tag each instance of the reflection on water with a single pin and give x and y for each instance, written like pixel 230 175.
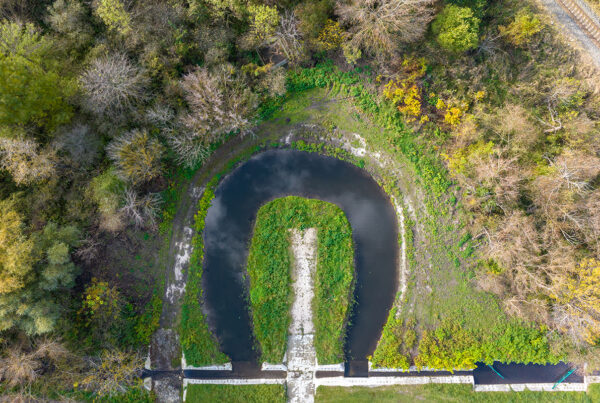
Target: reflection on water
pixel 227 235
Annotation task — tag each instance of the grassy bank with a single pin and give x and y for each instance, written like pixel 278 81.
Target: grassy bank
pixel 441 296
pixel 235 393
pixel 447 393
pixel 269 265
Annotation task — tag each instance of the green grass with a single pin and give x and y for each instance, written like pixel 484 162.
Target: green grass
pixel 235 394
pixel 447 393
pixel 269 264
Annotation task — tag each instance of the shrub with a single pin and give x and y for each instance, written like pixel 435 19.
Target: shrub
pixel 456 29
pixel 522 28
pixel 106 190
pixel 137 156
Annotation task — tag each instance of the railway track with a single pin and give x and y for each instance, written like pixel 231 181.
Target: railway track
pixel 581 15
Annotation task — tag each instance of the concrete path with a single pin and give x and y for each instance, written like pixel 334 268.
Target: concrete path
pixel 301 355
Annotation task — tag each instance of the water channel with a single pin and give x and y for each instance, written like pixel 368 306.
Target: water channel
pixel 228 230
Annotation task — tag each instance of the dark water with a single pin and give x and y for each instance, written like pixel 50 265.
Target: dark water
pixel 524 373
pixel 228 231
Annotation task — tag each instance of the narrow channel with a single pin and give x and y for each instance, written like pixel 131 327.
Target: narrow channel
pixel 228 230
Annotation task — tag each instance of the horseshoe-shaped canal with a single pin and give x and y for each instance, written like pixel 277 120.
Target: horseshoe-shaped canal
pixel 228 230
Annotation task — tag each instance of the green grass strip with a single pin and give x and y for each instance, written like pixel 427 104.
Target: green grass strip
pixel 235 393
pixel 448 393
pixel 269 264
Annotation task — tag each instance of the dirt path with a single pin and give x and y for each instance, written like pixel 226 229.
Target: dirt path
pixel 580 25
pixel 301 355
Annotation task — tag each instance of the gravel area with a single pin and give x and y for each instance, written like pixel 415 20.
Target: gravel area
pixel 573 33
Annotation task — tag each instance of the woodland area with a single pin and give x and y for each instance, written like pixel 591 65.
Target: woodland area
pixel 105 105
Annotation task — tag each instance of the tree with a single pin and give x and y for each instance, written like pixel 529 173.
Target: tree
pixel 456 29
pixel 25 162
pixel 137 156
pixel 219 103
pixel 70 19
pixel 112 85
pixel 378 26
pixel 287 39
pixel 113 372
pixel 33 90
pixel 578 302
pixel 263 23
pixel 143 210
pixel 106 190
pixel 522 28
pixel 16 251
pixel 32 270
pixel 312 17
pixel 114 15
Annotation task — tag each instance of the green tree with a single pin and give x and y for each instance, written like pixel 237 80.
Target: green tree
pixel 263 23
pixel 106 191
pixel 522 28
pixel 33 89
pixel 456 29
pixel 33 269
pixel 114 15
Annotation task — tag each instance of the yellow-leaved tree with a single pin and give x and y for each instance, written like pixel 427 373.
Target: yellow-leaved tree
pixel 16 260
pixel 577 309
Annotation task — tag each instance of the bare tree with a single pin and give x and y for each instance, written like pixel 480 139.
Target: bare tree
pixel 558 192
pixel 190 149
pixel 500 174
pixel 287 39
pixel 517 247
pixel 142 210
pixel 112 85
pixel 79 144
pixel 379 25
pixel 219 103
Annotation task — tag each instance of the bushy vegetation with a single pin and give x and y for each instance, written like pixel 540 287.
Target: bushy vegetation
pixel 269 269
pixel 235 393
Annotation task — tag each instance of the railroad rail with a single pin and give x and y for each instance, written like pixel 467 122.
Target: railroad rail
pixel 581 15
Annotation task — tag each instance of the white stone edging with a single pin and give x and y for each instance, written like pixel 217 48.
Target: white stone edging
pixel 393 380
pixel 538 387
pixel 273 367
pixel 331 367
pixel 216 367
